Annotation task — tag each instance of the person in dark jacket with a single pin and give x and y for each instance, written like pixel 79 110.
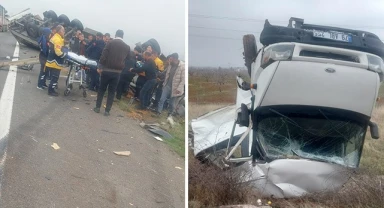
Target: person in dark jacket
pixel 94 52
pixel 149 68
pixel 126 76
pixel 90 42
pixel 75 42
pixel 44 49
pixel 112 62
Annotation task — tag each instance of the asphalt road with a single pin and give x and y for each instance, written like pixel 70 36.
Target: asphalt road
pixel 84 172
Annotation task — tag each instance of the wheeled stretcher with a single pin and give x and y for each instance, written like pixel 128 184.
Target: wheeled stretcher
pixel 77 63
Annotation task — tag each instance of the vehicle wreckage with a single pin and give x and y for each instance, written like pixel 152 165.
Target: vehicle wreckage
pixel 28 28
pixel 299 125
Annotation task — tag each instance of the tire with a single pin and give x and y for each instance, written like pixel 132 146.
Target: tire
pixel 75 23
pixel 154 44
pixel 250 51
pixel 63 19
pixel 50 14
pixel 33 30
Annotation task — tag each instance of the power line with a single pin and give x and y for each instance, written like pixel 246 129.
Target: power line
pixel 211 28
pixel 214 37
pixel 286 21
pixel 230 18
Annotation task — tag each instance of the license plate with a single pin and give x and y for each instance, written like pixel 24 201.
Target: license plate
pixel 332 36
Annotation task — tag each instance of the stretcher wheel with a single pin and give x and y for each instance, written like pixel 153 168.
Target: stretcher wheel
pixel 250 51
pixel 84 93
pixel 66 92
pixel 75 23
pixel 64 19
pixel 50 14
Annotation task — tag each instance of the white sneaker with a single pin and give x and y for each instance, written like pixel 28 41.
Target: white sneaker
pixel 40 88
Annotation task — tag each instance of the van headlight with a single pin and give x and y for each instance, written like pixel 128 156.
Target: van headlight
pixel 376 64
pixel 281 52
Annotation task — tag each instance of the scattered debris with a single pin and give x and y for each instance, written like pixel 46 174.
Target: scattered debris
pixel 93 95
pixel 76 108
pixel 123 153
pixel 131 204
pixel 112 132
pixel 155 128
pixel 159 139
pixel 33 138
pixel 171 121
pixel 245 206
pixel 178 168
pixel 105 106
pixel 158 131
pixel 55 146
pixel 100 150
pixel 8 57
pixel 88 103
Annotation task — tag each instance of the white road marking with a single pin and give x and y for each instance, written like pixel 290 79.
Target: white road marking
pixel 6 100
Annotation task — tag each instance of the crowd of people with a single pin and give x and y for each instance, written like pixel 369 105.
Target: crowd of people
pixel 118 67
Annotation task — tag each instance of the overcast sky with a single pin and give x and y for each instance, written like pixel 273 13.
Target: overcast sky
pixel 141 20
pixel 223 46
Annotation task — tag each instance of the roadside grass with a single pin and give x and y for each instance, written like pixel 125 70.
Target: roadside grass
pixel 381 91
pixel 373 152
pixel 196 110
pixel 177 143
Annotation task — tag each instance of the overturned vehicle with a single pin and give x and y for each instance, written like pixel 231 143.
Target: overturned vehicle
pixel 299 126
pixel 28 28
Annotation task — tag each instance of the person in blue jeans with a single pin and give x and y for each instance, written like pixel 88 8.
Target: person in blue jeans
pixel 149 68
pixel 174 84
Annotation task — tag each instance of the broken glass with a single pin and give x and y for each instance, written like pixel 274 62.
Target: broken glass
pixel 318 138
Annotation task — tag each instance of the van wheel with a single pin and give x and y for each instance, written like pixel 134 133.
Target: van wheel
pixel 50 14
pixel 64 20
pixel 75 23
pixel 33 30
pixel 250 51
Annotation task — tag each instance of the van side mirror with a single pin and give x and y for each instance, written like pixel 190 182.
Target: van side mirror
pixel 374 129
pixel 246 86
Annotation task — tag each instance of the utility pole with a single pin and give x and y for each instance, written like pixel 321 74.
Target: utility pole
pixel 2 18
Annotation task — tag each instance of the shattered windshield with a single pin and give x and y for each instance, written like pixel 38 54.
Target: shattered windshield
pixel 311 136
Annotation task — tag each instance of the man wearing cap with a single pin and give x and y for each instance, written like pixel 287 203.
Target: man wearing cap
pixel 94 53
pixel 173 86
pixel 112 62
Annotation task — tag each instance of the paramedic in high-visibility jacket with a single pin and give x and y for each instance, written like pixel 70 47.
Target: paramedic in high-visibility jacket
pixel 56 56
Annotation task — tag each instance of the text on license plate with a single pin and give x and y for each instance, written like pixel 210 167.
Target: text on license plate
pixel 332 36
